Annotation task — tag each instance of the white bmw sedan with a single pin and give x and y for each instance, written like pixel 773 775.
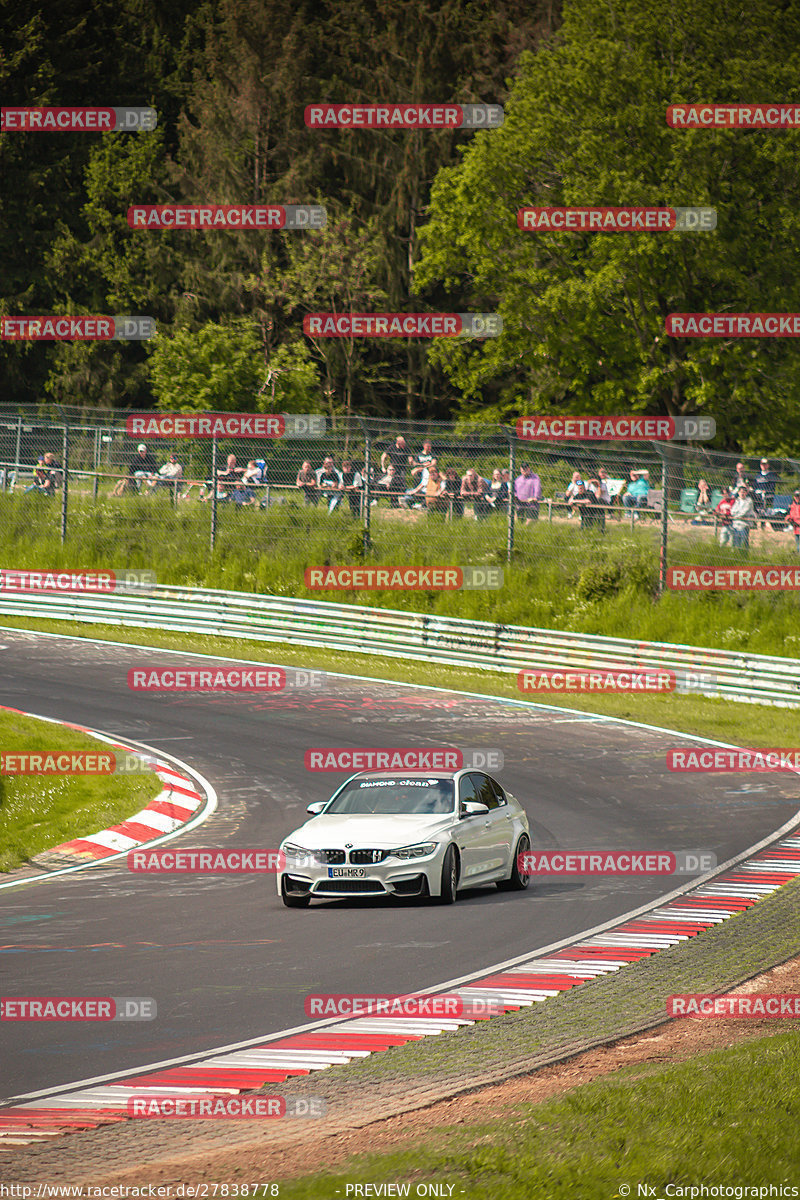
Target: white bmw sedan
pixel 386 833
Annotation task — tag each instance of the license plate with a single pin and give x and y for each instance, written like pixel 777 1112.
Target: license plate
pixel 346 872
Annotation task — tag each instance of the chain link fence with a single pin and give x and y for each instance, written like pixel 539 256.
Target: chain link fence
pixel 400 493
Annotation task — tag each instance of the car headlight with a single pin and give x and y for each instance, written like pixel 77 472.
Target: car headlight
pixel 302 856
pixel 421 850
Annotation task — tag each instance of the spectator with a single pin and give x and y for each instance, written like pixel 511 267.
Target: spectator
pixel 352 486
pixel 452 490
pixel 254 472
pixel 473 489
pixel 527 493
pixel 589 505
pixel 329 482
pixel 415 496
pixel 703 506
pixel 793 517
pixel 740 479
pixel 398 457
pixel 390 485
pixel 142 466
pixel 168 475
pixel 764 486
pixel 45 477
pixel 418 462
pixel 307 482
pixel 258 473
pixel 723 511
pixel 603 494
pixel 637 490
pixel 742 517
pixel 498 492
pixel 228 479
pixel 575 487
pixel 435 491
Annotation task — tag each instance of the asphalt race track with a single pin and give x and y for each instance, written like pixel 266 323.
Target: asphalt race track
pixel 222 957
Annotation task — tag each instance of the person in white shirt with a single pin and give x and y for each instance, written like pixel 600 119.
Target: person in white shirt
pixel 742 515
pixel 575 488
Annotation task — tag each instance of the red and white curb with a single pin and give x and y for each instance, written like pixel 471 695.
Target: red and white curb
pixel 523 984
pixel 177 804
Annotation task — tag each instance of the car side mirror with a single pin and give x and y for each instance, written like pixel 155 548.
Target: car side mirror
pixel 473 808
pixel 316 808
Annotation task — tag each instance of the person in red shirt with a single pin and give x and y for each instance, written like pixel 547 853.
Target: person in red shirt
pixel 723 511
pixel 794 519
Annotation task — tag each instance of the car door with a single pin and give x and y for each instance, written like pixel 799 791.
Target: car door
pixel 498 830
pixel 473 833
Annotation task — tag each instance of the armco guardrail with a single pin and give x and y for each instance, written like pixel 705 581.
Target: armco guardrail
pixel 451 641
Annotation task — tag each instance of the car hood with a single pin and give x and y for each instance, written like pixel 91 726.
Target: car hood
pixel 381 832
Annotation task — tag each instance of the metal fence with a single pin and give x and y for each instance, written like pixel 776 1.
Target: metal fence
pixel 402 492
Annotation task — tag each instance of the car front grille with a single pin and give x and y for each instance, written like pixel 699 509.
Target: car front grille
pixel 367 856
pixel 332 857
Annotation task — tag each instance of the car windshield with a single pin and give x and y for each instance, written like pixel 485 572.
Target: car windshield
pixel 398 797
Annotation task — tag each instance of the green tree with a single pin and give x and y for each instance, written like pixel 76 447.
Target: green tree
pixel 215 368
pixel 293 383
pixel 584 313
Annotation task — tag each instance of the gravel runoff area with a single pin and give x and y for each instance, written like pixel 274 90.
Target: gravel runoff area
pixel 395 1097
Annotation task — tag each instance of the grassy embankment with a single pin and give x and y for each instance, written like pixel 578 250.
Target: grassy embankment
pixel 38 811
pixel 726 1118
pixel 561 578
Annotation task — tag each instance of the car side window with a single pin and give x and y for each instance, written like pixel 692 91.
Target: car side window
pixel 498 791
pixel 466 789
pixel 484 792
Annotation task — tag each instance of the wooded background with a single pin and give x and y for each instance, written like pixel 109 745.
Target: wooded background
pixel 417 221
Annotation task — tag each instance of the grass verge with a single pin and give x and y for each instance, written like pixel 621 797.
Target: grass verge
pixel 40 811
pixel 728 1117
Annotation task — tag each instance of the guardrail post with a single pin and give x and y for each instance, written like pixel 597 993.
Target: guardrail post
pixel 213 533
pixel 511 499
pixel 662 560
pixel 366 494
pixel 65 487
